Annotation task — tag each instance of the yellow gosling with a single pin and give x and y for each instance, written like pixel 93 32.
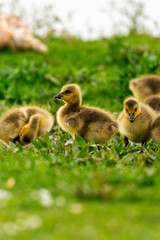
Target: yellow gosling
pixel 145 86
pixel 135 121
pixel 24 123
pixel 88 122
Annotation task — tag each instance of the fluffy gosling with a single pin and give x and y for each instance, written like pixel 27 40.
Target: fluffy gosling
pixel 24 123
pixel 145 86
pixel 135 121
pixel 88 122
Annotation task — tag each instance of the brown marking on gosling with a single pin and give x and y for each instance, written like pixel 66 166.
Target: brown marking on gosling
pixel 130 103
pixel 88 122
pixel 154 102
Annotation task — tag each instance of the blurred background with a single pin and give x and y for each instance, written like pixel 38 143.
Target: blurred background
pixel 89 19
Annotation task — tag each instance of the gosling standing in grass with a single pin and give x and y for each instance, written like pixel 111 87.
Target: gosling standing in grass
pixel 145 86
pixel 24 123
pixel 135 121
pixel 88 122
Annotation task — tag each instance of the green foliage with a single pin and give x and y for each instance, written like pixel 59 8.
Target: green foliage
pixel 93 189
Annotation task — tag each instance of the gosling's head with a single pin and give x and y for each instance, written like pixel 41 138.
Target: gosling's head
pixel 131 109
pixel 70 94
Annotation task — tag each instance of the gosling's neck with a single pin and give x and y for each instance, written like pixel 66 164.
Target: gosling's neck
pixel 73 104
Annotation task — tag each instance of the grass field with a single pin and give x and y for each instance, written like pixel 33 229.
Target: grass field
pixel 51 191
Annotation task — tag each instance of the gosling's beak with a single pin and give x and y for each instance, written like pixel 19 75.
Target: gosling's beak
pixel 131 117
pixel 59 96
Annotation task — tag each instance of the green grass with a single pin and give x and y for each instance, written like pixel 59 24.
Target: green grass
pixel 110 194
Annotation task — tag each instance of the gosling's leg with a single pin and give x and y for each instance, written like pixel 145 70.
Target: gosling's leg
pixel 30 130
pixel 98 147
pixel 126 141
pixel 143 144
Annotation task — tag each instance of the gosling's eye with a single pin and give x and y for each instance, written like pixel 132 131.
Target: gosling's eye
pixel 126 110
pixel 135 109
pixel 67 91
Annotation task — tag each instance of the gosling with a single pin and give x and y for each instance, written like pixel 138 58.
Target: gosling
pixel 135 121
pixel 145 86
pixel 88 122
pixel 154 102
pixel 24 123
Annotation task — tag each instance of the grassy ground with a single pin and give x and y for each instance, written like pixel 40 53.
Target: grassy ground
pixel 48 191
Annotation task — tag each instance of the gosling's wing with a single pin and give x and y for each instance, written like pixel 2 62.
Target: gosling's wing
pixel 113 127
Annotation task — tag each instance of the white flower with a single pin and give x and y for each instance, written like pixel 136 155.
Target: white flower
pixel 43 196
pixel 4 197
pixel 30 222
pixel 11 228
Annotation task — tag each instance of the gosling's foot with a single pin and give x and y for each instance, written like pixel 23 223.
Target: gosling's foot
pixel 126 142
